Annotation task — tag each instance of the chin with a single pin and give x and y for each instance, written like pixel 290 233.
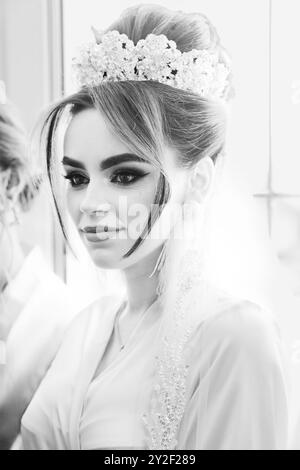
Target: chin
pixel 107 258
pixel 104 260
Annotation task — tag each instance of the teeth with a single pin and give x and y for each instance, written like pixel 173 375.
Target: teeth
pixel 102 235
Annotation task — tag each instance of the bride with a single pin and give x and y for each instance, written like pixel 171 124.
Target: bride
pixel 175 362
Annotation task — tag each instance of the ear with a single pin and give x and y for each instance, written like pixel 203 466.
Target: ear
pixel 200 180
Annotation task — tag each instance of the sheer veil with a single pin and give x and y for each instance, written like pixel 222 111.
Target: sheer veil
pixel 187 296
pixel 223 258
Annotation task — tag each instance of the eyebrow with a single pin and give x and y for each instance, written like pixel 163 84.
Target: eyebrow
pixel 108 162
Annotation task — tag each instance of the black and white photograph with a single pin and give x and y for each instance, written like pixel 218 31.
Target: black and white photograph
pixel 149 227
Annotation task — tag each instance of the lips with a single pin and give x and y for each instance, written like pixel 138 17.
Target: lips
pixel 99 229
pixel 98 234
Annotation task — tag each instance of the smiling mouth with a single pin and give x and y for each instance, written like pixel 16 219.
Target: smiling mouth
pixel 99 230
pixel 95 235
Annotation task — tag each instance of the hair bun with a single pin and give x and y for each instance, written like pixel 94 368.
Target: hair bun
pixel 188 30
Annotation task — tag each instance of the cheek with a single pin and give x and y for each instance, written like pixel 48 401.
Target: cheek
pixel 73 199
pixel 139 202
pixel 146 196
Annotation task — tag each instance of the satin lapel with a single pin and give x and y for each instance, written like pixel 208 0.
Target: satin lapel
pixel 95 339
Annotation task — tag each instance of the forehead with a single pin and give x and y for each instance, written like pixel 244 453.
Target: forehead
pixel 90 140
pixel 89 136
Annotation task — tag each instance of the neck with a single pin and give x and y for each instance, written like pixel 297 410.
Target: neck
pixel 141 290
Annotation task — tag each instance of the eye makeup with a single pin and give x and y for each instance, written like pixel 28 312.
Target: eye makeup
pixel 76 179
pixel 127 176
pixel 121 177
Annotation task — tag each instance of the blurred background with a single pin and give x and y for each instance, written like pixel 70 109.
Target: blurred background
pixel 256 240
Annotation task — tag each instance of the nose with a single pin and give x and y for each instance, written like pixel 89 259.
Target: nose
pixel 91 203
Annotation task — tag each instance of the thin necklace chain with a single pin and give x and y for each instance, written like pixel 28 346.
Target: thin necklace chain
pixel 3 282
pixel 135 328
pixel 3 285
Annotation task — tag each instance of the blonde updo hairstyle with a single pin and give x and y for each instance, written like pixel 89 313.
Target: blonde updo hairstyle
pixel 148 114
pixel 19 183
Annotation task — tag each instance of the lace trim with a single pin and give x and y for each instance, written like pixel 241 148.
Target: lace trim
pixel 169 393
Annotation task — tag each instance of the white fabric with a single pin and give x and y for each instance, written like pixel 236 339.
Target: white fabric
pixel 111 419
pixel 37 310
pixel 237 386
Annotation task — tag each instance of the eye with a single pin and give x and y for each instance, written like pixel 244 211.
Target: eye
pixel 76 179
pixel 127 177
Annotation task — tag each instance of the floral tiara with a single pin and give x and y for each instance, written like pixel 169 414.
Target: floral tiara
pixel 114 57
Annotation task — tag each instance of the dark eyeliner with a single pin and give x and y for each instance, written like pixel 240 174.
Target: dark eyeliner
pixel 127 171
pixel 71 175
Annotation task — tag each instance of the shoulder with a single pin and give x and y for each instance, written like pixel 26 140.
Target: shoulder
pixel 56 391
pixel 241 320
pixel 81 331
pixel 224 318
pixel 244 328
pixel 241 346
pixel 78 336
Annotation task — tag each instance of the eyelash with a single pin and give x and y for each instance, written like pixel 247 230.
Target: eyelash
pixel 137 175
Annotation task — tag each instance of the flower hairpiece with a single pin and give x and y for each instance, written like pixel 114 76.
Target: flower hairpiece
pixel 114 57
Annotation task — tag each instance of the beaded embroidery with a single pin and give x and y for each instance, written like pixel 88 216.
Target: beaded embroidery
pixel 169 394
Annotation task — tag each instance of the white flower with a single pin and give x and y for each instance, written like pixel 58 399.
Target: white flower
pixel 114 57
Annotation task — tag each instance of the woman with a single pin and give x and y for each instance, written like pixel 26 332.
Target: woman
pixel 35 307
pixel 176 362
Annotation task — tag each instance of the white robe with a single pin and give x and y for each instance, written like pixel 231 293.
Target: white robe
pixel 38 307
pixel 237 394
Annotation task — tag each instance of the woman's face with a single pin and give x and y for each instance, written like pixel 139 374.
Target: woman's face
pixel 109 185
